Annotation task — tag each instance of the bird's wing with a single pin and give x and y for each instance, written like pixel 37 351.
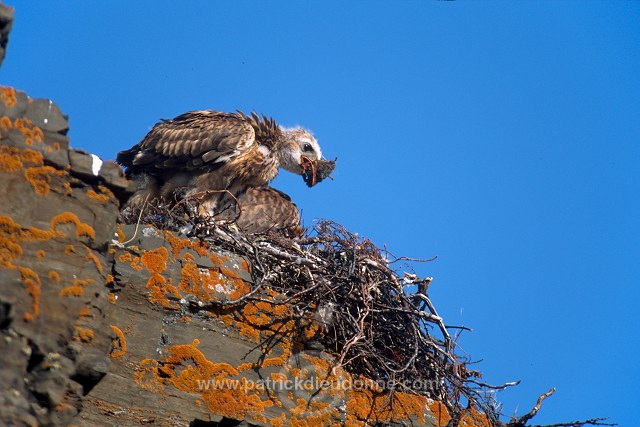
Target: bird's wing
pixel 194 140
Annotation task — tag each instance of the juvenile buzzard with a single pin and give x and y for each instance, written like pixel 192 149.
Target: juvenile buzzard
pixel 209 153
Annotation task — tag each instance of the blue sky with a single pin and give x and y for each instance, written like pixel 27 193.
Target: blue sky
pixel 502 137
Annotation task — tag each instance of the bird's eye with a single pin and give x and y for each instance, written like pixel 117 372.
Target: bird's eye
pixel 307 148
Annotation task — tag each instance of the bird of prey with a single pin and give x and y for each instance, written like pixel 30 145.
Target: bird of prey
pixel 267 210
pixel 217 157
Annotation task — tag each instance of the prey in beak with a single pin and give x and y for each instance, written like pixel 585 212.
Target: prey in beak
pixel 314 171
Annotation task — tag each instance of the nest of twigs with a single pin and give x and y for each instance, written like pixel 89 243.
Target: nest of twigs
pixel 359 293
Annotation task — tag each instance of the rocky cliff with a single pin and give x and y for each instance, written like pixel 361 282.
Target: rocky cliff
pixel 104 324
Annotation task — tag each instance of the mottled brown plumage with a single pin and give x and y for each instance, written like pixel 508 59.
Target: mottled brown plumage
pixel 267 210
pixel 209 153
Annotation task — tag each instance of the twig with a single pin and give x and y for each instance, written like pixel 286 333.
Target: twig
pixel 495 387
pixel 532 413
pixel 285 255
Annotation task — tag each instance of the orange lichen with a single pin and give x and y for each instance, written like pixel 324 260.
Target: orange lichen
pixel 278 422
pixel 54 276
pixel 69 250
pixel 92 257
pixel 187 369
pixel 205 283
pixel 5 123
pixel 474 418
pixel 8 95
pixel 83 335
pixel 112 298
pixel 133 260
pixel 147 377
pixel 363 403
pixel 67 188
pixel 155 262
pixel 104 197
pixel 120 234
pixel 65 407
pixel 31 156
pixel 40 254
pixel 76 289
pixel 278 377
pixel 440 412
pixel 178 244
pixel 40 178
pixel 267 318
pixel 12 234
pixel 82 229
pixel 10 159
pixel 31 281
pixel 30 131
pixel 160 288
pixel 85 312
pixel 119 344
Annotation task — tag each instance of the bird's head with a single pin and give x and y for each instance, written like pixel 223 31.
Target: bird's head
pixel 300 150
